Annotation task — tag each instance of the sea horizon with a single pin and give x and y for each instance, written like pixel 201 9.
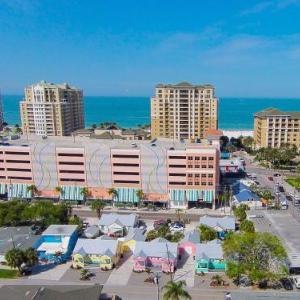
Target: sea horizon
pixel 235 113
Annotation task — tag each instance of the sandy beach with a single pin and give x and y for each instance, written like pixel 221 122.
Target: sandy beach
pixel 237 133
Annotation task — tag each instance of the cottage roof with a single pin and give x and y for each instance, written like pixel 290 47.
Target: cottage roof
pixel 212 249
pixel 92 231
pixel 243 193
pixel 96 246
pixel 155 248
pixel 134 234
pixel 226 222
pixel 127 220
pixel 66 230
pixel 192 236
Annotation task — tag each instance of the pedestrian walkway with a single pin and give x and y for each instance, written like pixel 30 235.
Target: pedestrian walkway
pixel 186 271
pixel 120 276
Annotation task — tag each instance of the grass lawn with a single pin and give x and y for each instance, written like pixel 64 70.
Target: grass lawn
pixel 7 273
pixel 294 181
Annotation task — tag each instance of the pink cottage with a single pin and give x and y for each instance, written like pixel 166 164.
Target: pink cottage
pixel 157 255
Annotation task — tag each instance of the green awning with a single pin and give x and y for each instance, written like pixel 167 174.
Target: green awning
pixel 2 188
pixel 18 190
pixel 180 195
pixel 71 193
pixel 127 195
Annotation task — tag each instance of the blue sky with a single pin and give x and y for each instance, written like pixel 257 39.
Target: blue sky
pixel 125 47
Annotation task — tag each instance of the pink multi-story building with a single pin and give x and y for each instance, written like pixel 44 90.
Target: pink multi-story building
pixel 170 173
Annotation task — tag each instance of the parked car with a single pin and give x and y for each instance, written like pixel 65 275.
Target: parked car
pixel 276 175
pixel 286 283
pixel 296 281
pixel 176 227
pixel 281 189
pixel 271 178
pixel 142 226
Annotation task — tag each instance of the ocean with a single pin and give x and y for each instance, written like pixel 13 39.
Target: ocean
pixel 234 113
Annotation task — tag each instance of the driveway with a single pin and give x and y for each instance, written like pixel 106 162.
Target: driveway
pixel 50 271
pixel 186 271
pixel 121 274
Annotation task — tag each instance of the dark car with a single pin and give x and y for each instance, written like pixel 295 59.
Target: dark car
pixel 159 223
pixel 286 283
pixel 281 189
pixel 270 178
pixel 276 174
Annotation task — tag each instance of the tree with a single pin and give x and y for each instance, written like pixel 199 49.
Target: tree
pixel 113 193
pixel 33 189
pixel 178 212
pixel 258 255
pixel 175 291
pixel 59 190
pixel 247 226
pixel 75 220
pixel 240 213
pixel 140 194
pixel 94 126
pixel 151 235
pixel 31 257
pixel 84 192
pixel 248 143
pixel 98 205
pixel 207 233
pixel 15 258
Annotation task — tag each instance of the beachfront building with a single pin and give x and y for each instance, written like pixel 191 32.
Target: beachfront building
pixel 117 225
pixel 275 128
pixel 51 109
pixel 222 225
pixel 209 257
pixel 183 111
pixel 57 242
pixel 104 254
pixel 169 173
pixel 157 255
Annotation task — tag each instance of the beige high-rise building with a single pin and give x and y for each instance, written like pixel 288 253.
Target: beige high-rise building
pixel 52 109
pixel 183 111
pixel 275 128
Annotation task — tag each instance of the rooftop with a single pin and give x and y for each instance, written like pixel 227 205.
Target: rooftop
pixel 273 112
pixel 226 222
pixel 46 84
pixel 21 237
pixel 121 219
pixel 184 84
pixel 96 246
pixel 212 249
pixel 67 230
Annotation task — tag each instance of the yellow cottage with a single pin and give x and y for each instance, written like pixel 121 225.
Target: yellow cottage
pixel 101 253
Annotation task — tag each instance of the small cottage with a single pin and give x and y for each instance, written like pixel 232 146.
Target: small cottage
pixel 209 257
pixel 188 244
pixel 129 241
pixel 96 253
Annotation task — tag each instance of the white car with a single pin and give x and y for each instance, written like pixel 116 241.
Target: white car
pixel 176 228
pixel 296 281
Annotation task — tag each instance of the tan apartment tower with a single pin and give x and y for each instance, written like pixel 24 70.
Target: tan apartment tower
pixel 183 111
pixel 274 128
pixel 52 109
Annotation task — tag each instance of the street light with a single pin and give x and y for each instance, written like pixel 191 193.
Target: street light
pixel 157 276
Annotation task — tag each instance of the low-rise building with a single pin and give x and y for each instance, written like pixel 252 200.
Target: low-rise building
pixel 157 255
pixel 188 245
pixel 242 194
pixel 209 257
pixel 133 236
pixel 222 225
pixel 232 167
pixel 21 237
pixel 274 128
pixel 117 225
pixel 57 242
pixel 104 254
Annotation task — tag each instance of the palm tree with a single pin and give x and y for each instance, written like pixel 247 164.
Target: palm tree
pixel 114 193
pixel 33 189
pixel 140 194
pixel 84 192
pixel 31 257
pixel 15 258
pixel 176 291
pixel 98 205
pixel 59 190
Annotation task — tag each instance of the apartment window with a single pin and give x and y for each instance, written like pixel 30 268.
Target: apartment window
pixel 126 173
pixel 210 158
pixel 204 166
pixel 197 175
pixel 190 183
pixel 177 157
pixel 203 183
pixel 125 156
pixel 177 166
pixel 190 175
pixel 178 174
pixel 210 175
pixel 204 158
pixel 176 183
pixel 197 158
pixel 210 183
pixel 190 158
pixel 71 154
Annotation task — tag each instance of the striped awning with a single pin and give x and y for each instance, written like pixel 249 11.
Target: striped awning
pixel 71 193
pixel 127 195
pixel 192 195
pixel 2 188
pixel 18 190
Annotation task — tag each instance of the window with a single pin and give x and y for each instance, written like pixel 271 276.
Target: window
pixel 127 181
pixel 125 165
pixel 71 163
pixel 16 153
pixel 177 157
pixel 126 173
pixel 125 156
pixel 71 154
